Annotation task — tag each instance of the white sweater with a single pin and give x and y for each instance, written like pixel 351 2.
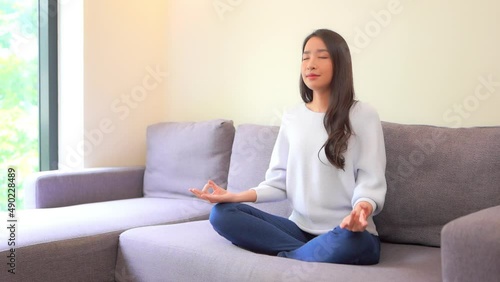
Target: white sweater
pixel 322 195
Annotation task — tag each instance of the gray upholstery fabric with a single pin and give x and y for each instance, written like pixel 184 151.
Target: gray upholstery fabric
pixel 195 252
pixel 37 226
pixel 53 189
pixel 182 155
pixel 471 247
pixel 252 149
pixel 79 243
pixel 435 175
pixel 91 258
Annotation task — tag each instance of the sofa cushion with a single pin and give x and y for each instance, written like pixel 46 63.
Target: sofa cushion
pixel 470 247
pixel 252 149
pixel 165 253
pixel 55 224
pixel 183 155
pixel 435 175
pixel 82 240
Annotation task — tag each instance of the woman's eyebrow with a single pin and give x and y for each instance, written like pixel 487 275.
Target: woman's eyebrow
pixel 317 51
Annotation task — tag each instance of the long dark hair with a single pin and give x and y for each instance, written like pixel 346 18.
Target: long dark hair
pixel 336 121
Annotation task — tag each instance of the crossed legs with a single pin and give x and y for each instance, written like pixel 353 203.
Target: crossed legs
pixel 261 232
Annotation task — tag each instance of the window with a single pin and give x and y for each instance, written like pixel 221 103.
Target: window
pixel 28 91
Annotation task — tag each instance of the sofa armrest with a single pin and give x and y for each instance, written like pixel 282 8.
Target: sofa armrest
pixel 52 189
pixel 470 247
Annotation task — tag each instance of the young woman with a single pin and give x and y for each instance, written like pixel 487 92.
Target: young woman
pixel 328 161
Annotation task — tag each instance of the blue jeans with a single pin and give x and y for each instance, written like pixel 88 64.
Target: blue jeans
pixel 264 233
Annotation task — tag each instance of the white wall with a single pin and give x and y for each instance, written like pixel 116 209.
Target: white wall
pixel 413 60
pixel 420 62
pixel 123 51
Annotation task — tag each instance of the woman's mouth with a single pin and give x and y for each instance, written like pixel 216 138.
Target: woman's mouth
pixel 312 76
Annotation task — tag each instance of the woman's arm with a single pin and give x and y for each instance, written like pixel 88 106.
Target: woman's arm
pixel 273 188
pixel 369 158
pixel 369 164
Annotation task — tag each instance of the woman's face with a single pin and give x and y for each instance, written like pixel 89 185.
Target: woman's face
pixel 317 67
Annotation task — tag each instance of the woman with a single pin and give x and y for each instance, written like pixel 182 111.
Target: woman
pixel 328 161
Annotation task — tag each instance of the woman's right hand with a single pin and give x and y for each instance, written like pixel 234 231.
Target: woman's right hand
pixel 213 193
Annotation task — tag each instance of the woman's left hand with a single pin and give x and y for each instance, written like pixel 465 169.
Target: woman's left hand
pixel 356 221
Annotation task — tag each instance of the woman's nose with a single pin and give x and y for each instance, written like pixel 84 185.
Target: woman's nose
pixel 311 65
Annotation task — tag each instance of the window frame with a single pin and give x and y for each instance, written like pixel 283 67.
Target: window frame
pixel 48 84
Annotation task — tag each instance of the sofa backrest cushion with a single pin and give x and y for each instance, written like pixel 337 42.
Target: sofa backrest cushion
pixel 251 154
pixel 252 149
pixel 434 175
pixel 183 155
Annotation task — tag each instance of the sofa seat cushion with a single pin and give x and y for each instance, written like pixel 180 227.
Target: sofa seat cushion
pixel 195 252
pixel 36 226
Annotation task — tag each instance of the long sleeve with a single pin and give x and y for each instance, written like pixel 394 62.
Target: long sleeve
pixel 273 188
pixel 369 159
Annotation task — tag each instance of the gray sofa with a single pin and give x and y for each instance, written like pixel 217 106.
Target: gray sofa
pixel 441 220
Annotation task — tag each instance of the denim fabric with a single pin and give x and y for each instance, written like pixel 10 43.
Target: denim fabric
pixel 261 232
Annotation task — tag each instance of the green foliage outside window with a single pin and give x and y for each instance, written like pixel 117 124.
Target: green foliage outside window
pixel 18 94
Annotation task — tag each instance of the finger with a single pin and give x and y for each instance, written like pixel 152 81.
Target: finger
pixel 356 222
pixel 361 223
pixel 353 218
pixel 206 188
pixel 214 185
pixel 362 218
pixel 348 222
pixel 344 223
pixel 200 194
pixel 196 192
